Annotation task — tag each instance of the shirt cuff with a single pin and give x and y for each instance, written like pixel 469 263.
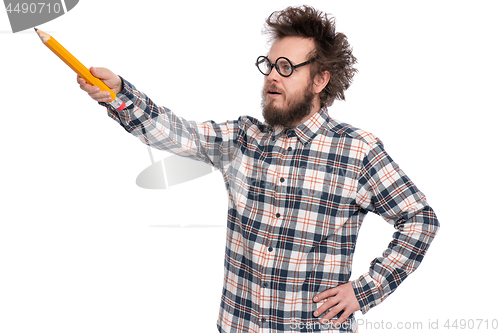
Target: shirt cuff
pixel 366 292
pixel 121 111
pixel 125 95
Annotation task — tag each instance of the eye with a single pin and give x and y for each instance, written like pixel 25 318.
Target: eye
pixel 285 66
pixel 263 65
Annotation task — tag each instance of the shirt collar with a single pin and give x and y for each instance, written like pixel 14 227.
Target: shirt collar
pixel 311 127
pixel 306 131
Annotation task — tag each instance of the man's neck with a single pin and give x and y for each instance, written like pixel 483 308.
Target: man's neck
pixel 314 109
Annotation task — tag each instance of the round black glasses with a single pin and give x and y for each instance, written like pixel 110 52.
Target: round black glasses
pixel 283 66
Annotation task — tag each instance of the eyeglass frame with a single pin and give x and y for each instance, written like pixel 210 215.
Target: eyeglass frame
pixel 277 67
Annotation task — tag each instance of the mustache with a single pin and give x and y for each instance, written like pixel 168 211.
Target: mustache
pixel 271 87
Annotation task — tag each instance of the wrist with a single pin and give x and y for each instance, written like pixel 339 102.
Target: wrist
pixel 119 86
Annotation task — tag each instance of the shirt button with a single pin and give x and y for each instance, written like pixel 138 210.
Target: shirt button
pixel 265 285
pixel 289 148
pixel 282 180
pixel 278 215
pixel 270 249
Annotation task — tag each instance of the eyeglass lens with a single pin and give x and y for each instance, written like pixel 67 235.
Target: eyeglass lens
pixel 283 66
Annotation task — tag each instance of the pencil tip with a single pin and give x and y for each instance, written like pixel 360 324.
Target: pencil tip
pixel 36 29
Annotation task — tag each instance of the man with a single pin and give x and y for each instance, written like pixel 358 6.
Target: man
pixel 299 186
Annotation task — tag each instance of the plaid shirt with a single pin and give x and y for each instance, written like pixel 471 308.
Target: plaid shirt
pixel 297 199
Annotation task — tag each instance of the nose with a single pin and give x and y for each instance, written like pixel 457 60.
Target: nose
pixel 274 75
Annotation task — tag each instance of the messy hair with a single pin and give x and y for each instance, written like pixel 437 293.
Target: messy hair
pixel 332 51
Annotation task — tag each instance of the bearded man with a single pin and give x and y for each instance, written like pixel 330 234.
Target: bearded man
pixel 299 185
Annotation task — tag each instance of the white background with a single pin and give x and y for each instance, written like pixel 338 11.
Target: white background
pixel 83 249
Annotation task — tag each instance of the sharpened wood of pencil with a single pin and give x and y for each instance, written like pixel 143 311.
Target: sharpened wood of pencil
pixel 72 62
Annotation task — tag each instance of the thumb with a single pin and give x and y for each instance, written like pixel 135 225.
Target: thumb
pixel 101 73
pixel 109 78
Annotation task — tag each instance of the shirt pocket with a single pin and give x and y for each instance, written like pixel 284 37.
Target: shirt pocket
pixel 321 198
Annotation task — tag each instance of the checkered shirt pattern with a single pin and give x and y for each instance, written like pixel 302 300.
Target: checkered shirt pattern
pixel 297 199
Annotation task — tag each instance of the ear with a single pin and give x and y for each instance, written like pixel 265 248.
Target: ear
pixel 320 81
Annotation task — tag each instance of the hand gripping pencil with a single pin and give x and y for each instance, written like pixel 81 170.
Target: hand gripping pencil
pixel 78 67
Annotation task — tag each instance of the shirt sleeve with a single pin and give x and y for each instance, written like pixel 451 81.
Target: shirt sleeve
pixel 160 128
pixel 384 189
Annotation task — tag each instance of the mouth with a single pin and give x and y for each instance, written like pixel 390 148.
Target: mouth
pixel 272 92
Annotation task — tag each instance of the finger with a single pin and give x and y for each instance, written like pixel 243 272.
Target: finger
pixel 327 305
pixel 335 311
pixel 79 80
pixel 101 73
pixel 343 317
pixel 110 79
pixel 96 93
pixel 101 96
pixel 325 294
pixel 83 83
pixel 88 88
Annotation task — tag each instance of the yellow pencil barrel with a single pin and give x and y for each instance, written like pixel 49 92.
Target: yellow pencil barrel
pixel 76 65
pixel 72 62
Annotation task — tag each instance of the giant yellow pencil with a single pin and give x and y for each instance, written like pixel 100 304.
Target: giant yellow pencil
pixel 77 66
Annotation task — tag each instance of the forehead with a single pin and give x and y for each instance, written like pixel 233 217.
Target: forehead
pixel 296 49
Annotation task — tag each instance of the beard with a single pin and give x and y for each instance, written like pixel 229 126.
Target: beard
pixel 292 113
